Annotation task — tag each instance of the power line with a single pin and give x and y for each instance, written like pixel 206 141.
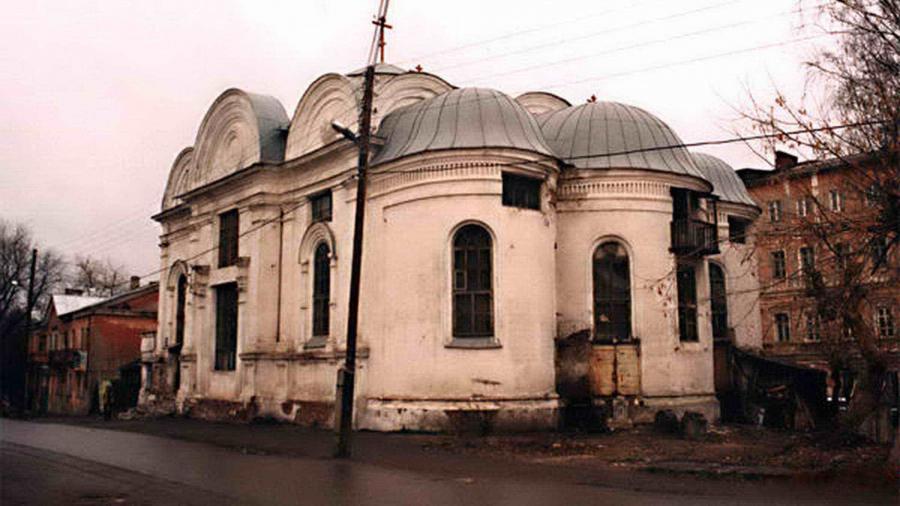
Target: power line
pixel 632 46
pixel 509 35
pixel 591 35
pixel 683 62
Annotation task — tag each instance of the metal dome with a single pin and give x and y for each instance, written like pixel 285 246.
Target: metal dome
pixel 613 135
pixel 726 183
pixel 462 118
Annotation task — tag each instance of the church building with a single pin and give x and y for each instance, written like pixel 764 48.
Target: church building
pixel 497 228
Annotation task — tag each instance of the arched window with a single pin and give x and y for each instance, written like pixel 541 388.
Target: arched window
pixel 321 290
pixel 612 293
pixel 473 300
pixel 181 295
pixel 718 301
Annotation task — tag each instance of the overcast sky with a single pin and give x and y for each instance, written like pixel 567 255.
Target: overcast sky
pixel 98 97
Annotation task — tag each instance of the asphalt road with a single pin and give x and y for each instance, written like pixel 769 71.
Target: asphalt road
pixel 61 464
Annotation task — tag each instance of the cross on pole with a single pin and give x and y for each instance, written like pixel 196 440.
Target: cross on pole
pixel 381 23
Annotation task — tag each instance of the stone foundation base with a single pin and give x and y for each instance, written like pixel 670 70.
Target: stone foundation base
pixel 707 405
pixel 460 416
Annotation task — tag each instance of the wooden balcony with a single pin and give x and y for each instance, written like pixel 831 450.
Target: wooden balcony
pixel 692 237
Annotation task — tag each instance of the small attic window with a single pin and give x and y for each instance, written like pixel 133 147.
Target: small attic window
pixel 520 191
pixel 321 206
pixel 737 230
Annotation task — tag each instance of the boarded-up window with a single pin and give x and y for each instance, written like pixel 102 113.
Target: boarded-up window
pixel 612 293
pixel 228 238
pixel 472 283
pixel 321 290
pixel 687 303
pixel 226 326
pixel 519 191
pixel 718 302
pixel 179 309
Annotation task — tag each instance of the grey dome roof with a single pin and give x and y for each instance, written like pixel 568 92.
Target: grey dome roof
pixel 462 118
pixel 380 68
pixel 588 135
pixel 726 183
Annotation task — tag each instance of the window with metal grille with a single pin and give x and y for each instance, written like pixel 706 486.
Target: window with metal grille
pixel 737 230
pixel 226 326
pixel 228 238
pixel 718 301
pixel 472 283
pixel 783 327
pixel 687 303
pixel 778 265
pixel 179 309
pixel 884 321
pixel 612 293
pixel 520 191
pixel 322 291
pixel 321 206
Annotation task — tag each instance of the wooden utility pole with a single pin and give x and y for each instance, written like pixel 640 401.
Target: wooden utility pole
pixel 29 302
pixel 29 306
pixel 347 375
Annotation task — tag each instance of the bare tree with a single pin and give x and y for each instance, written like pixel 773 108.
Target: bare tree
pixel 848 119
pixel 16 245
pixel 98 277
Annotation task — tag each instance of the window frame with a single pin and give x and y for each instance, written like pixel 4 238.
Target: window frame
pixel 774 208
pixel 807 257
pixel 226 327
pixel 229 236
pixel 783 327
pixel 779 264
pixel 319 212
pixel 688 325
pixel 521 191
pixel 743 225
pixel 884 322
pixel 718 302
pixel 813 327
pixel 321 291
pixel 615 301
pixel 835 201
pixel 464 244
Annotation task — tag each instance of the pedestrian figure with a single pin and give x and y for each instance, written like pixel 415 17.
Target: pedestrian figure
pixel 106 398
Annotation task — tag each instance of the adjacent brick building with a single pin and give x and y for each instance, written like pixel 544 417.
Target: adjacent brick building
pixel 83 341
pixel 795 198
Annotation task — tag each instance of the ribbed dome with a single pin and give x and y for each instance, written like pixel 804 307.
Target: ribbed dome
pixel 726 183
pixel 588 135
pixel 462 118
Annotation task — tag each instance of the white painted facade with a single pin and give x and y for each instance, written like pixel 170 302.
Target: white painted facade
pixel 413 373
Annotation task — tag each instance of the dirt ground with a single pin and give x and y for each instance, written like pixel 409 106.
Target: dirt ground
pixel 726 450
